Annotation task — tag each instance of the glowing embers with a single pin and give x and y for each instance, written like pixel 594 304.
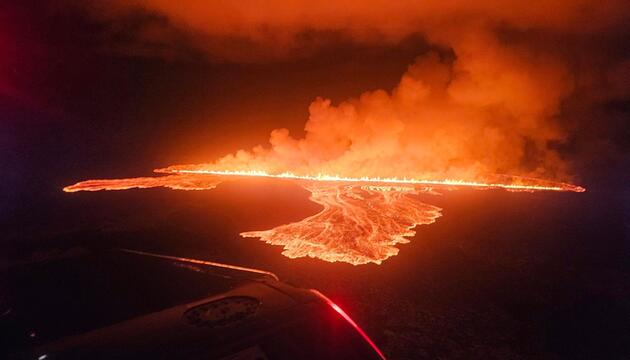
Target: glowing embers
pixel 358 225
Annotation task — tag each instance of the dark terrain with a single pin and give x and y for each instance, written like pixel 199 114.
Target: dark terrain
pixel 499 275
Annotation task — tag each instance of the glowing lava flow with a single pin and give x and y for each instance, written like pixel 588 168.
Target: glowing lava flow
pixel 358 225
pixel 362 219
pixel 175 182
pixel 513 182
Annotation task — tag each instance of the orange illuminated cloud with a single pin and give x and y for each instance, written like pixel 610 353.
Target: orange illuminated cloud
pixel 485 99
pixel 277 28
pixel 492 110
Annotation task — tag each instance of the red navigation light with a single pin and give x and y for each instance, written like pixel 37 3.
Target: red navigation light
pixel 350 321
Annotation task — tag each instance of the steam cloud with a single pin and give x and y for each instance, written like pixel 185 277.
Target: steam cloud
pixel 488 99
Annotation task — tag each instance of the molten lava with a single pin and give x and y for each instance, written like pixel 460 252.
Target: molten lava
pixel 514 183
pixel 358 225
pixel 175 182
pixel 362 219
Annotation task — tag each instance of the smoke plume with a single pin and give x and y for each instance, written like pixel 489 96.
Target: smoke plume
pixel 488 98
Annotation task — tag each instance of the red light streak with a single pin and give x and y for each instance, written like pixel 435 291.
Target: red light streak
pixel 350 321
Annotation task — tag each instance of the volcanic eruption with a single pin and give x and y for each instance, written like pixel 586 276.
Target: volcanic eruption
pixel 482 107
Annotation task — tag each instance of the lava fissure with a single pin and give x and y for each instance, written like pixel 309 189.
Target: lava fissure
pixel 509 182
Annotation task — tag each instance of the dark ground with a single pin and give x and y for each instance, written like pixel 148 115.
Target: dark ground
pixel 500 275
